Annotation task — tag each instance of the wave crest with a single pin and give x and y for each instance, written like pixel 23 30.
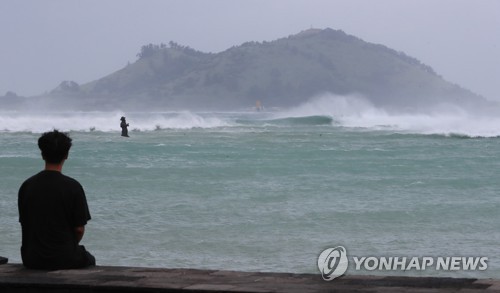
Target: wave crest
pixel 326 110
pixel 314 120
pixel 105 121
pixel 357 112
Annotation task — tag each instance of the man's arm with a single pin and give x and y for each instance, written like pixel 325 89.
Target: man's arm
pixel 79 231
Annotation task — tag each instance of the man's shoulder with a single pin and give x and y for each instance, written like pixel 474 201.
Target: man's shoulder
pixel 52 176
pixel 33 177
pixel 70 180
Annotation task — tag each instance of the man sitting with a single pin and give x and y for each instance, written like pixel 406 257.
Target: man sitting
pixel 53 212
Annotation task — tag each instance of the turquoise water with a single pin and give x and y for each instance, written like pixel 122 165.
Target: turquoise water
pixel 267 191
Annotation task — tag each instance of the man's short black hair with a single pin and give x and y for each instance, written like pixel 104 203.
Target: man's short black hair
pixel 55 146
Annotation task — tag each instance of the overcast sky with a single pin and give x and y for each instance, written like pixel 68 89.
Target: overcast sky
pixel 44 42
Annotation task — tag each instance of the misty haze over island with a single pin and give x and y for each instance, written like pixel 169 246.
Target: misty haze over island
pixel 278 74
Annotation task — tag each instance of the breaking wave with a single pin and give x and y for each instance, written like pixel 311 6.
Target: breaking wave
pixel 357 112
pixel 350 112
pixel 290 121
pixel 105 121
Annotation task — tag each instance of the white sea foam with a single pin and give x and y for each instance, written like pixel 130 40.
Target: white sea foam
pixel 104 121
pixel 346 111
pixel 357 112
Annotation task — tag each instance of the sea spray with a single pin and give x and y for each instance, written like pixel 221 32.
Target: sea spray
pixel 353 112
pixel 357 112
pixel 105 121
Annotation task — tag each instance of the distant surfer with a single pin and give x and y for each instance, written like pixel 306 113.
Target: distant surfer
pixel 124 126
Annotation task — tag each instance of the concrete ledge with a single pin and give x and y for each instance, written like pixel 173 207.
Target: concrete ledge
pixel 15 278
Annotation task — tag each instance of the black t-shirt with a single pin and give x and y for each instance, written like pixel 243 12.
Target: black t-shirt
pixel 51 205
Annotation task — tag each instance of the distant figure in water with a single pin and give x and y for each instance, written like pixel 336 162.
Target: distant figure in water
pixel 124 126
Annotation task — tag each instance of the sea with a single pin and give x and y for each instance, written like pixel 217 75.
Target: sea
pixel 270 190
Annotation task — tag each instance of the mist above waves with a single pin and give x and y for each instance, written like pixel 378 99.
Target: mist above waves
pixel 443 119
pixel 348 112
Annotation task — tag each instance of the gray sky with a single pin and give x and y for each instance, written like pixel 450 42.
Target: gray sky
pixel 44 42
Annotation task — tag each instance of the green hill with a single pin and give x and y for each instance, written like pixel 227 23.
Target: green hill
pixel 280 73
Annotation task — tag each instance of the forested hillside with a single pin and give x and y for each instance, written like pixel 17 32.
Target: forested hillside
pixel 280 73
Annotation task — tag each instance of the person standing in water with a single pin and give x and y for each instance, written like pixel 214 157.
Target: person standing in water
pixel 124 126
